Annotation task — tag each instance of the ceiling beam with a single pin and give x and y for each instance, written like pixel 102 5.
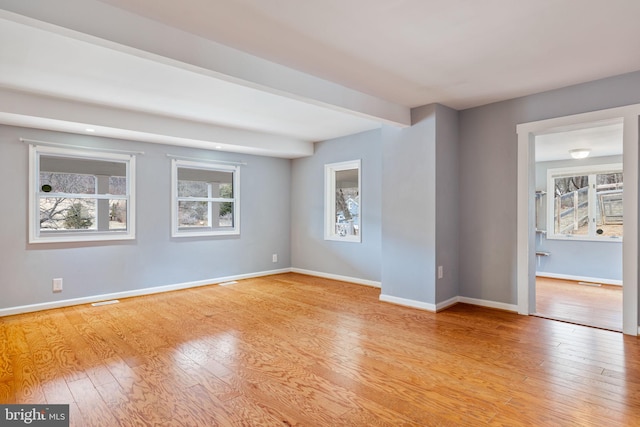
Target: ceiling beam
pixel 38 111
pixel 93 22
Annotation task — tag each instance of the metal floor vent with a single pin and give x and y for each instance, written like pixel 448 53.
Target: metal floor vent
pixel 589 284
pixel 98 304
pixel 233 282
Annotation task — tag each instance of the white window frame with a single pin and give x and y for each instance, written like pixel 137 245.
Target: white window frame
pixel 35 233
pixel 330 200
pixel 589 170
pixel 176 231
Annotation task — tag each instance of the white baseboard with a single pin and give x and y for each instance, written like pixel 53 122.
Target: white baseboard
pixel 579 278
pixel 336 277
pixel 446 304
pixel 489 304
pixel 408 302
pixel 133 293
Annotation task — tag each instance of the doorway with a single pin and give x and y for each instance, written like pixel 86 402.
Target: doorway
pixel 579 193
pixel 526 231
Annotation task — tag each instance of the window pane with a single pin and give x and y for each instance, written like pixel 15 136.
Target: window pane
pixel 214 212
pixel 118 185
pixel 196 214
pixel 193 214
pixel 571 205
pixel 347 211
pixel 59 213
pixel 609 197
pixel 71 195
pixel 226 190
pixel 199 182
pixel 56 182
pixel 117 214
pixel 225 217
pixel 193 189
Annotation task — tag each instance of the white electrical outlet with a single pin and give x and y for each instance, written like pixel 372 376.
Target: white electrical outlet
pixel 57 285
pixel 274 257
pixel 440 272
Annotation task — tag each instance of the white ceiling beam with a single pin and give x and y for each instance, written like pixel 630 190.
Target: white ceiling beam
pixel 92 21
pixel 37 111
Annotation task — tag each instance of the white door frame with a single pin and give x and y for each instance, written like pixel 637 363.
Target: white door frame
pixel 526 207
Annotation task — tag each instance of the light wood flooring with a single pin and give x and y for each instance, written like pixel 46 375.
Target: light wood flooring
pixel 597 306
pixel 294 350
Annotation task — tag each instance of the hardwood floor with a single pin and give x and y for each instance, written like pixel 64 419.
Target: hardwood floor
pixel 297 350
pixel 597 306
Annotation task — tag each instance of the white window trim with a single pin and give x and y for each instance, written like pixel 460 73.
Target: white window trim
pixel 330 200
pixel 574 171
pixel 234 168
pixel 35 236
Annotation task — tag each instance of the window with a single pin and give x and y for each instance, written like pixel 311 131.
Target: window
pixel 205 199
pixel 586 203
pixel 342 201
pixel 80 195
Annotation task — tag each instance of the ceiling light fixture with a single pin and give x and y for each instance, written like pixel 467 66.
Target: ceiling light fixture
pixel 580 153
pixel 90 130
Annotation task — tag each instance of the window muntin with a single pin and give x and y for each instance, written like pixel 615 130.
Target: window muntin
pixel 342 201
pixel 80 195
pixel 586 203
pixel 205 199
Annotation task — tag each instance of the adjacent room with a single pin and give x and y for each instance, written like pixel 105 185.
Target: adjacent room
pixel 319 213
pixel 579 224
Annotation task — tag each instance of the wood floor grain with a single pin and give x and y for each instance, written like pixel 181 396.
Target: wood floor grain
pixel 295 350
pixel 567 300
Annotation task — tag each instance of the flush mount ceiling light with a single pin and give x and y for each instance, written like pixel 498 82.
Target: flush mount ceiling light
pixel 579 153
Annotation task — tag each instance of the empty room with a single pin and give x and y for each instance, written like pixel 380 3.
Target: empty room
pixel 319 213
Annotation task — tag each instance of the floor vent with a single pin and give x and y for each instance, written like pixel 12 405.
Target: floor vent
pixel 589 284
pixel 98 304
pixel 233 282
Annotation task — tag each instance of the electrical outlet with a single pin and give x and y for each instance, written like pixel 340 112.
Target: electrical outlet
pixel 440 272
pixel 57 285
pixel 274 258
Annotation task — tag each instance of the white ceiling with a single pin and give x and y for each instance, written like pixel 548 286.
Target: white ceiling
pixel 601 139
pixel 270 77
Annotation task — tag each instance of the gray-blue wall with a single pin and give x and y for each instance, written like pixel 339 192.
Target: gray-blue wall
pixel 309 250
pixel 447 202
pixel 420 210
pixel 408 212
pixel 488 175
pixel 153 258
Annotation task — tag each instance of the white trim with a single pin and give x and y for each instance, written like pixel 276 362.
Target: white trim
pixel 37 143
pixel 446 304
pixel 489 304
pixel 330 170
pixel 408 303
pixel 134 293
pixel 200 160
pixel 337 277
pixel 525 274
pixel 35 234
pixel 579 278
pixel 234 169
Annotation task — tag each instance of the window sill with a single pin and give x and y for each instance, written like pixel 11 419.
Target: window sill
pixel 611 239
